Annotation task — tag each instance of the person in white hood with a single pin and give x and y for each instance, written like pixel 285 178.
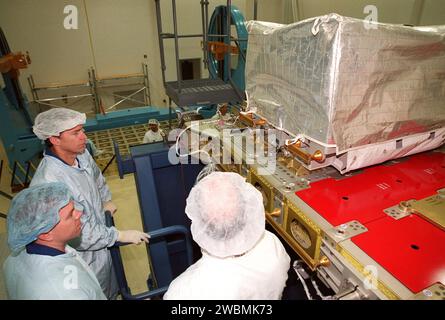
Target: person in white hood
pixel 154 133
pixel 240 259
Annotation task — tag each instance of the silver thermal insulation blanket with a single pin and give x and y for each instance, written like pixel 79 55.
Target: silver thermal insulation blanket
pixel 346 81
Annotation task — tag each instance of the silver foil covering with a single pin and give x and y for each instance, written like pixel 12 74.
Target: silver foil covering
pixel 346 82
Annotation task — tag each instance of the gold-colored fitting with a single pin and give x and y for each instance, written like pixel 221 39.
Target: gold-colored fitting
pixel 276 212
pixel 324 262
pixel 298 143
pixel 318 156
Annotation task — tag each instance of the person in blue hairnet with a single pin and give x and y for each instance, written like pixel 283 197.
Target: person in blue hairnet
pixel 66 160
pixel 41 220
pixel 240 259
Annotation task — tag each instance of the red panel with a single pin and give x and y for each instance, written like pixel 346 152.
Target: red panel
pixel 363 197
pixel 411 249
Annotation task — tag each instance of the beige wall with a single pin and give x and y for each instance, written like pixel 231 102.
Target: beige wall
pixel 113 36
pixel 395 11
pixel 115 41
pixel 417 12
pixel 267 10
pixel 56 53
pixel 189 22
pixel 433 12
pixel 117 34
pixel 122 34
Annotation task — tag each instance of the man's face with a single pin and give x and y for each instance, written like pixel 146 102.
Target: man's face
pixel 72 140
pixel 69 226
pixel 153 127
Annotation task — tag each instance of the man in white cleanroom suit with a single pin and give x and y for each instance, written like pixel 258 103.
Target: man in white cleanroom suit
pixel 154 133
pixel 240 259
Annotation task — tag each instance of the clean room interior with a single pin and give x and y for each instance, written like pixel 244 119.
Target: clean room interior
pixel 341 119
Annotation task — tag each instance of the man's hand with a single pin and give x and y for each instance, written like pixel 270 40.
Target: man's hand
pixel 132 236
pixel 110 206
pixel 19 60
pixel 12 62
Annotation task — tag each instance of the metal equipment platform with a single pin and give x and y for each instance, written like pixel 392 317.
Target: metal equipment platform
pixel 201 91
pixel 221 86
pixel 375 233
pixel 379 187
pixel 396 237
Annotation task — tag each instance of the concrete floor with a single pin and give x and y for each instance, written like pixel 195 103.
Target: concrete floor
pixel 135 258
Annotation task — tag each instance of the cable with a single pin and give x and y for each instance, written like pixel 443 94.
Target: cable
pixel 191 153
pixel 306 290
pixel 323 297
pixel 232 123
pixel 319 292
pixel 208 169
pixel 289 142
pixel 248 108
pixel 90 36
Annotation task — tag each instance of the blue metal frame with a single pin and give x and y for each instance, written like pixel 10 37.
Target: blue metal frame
pixel 162 189
pixel 126 117
pixel 21 145
pixel 154 237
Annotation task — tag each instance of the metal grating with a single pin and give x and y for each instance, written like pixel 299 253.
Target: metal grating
pixel 124 136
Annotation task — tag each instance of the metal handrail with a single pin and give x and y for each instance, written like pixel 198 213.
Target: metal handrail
pixel 117 261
